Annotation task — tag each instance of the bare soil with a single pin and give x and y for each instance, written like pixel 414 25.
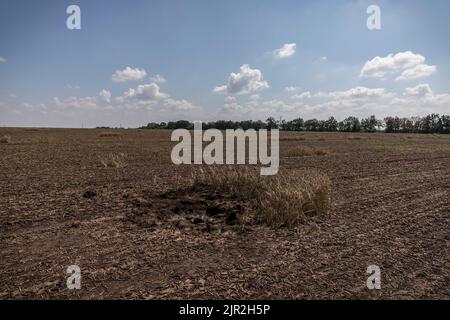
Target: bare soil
pixel 136 232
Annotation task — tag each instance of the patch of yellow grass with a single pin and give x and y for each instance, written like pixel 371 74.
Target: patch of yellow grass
pixel 109 135
pixel 5 139
pixel 285 199
pixel 114 160
pixel 292 138
pixel 305 151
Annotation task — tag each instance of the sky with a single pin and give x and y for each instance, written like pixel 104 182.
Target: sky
pixel 139 61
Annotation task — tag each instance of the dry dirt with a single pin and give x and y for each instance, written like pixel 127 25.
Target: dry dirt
pixel 114 205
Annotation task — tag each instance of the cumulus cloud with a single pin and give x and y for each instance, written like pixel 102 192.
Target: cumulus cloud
pixel 359 93
pixel 286 51
pixel 128 74
pixel 291 89
pixel 301 96
pixel 353 93
pixel 247 80
pixel 420 90
pixel 76 103
pixel 105 95
pixel 419 71
pixel 229 99
pixel 149 91
pixel 408 64
pixel 158 79
pixel 180 105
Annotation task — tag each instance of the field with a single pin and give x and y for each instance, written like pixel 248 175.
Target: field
pixel 84 197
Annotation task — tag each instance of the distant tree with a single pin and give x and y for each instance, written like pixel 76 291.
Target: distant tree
pixel 180 124
pixel 370 124
pixel 389 124
pixel 152 125
pixel 298 124
pixel 271 123
pixel 432 123
pixel 445 120
pixel 350 124
pixel 312 125
pixel 331 124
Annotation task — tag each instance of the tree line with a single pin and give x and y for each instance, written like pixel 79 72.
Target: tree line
pixel 433 123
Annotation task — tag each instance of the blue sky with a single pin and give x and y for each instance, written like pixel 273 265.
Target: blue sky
pixel 52 76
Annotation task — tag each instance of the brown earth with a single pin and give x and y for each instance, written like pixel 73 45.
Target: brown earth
pixel 114 204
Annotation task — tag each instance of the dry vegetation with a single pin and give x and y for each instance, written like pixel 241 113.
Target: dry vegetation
pixel 112 160
pixel 306 151
pixel 285 199
pixel 109 135
pixel 5 139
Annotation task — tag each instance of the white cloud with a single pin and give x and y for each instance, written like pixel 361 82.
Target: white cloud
pixel 128 74
pixel 359 93
pixel 286 51
pixel 89 103
pixel 420 90
pixel 291 89
pixel 179 105
pixel 158 79
pixel 409 64
pixel 247 80
pixel 149 91
pixel 2 60
pixel 358 101
pixel 229 99
pixel 301 96
pixel 105 95
pixel 419 71
pixel 353 93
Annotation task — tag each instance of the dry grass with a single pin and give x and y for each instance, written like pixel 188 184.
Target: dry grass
pixel 280 200
pixel 5 139
pixel 292 138
pixel 305 151
pixel 109 135
pixel 40 140
pixel 354 138
pixel 414 148
pixel 114 160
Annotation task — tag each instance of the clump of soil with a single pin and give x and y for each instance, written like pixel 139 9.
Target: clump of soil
pixel 89 194
pixel 199 209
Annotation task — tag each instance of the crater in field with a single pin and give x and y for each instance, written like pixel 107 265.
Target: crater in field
pixel 200 210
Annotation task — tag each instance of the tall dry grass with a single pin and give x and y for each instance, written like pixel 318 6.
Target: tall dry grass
pixel 109 135
pixel 113 160
pixel 305 151
pixel 5 139
pixel 285 199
